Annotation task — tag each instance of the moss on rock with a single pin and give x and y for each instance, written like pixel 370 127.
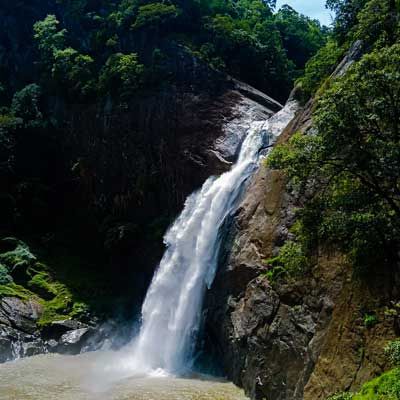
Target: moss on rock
pixel 63 284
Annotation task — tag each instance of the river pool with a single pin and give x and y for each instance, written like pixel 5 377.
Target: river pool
pixel 96 376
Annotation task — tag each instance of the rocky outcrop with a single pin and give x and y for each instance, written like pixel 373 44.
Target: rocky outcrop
pixel 300 339
pixel 21 336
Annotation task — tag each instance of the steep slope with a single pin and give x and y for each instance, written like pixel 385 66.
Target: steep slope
pixel 305 337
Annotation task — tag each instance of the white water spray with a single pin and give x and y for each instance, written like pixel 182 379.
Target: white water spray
pixel 171 313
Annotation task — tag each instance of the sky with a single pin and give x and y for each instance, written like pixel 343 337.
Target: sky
pixel 312 8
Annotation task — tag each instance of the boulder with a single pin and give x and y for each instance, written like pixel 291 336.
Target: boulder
pixel 33 348
pixel 6 343
pixel 72 342
pixel 19 314
pixel 58 328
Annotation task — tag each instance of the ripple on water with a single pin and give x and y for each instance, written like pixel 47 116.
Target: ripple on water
pixel 93 376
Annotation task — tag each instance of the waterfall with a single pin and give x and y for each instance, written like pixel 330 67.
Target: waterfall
pixel 171 312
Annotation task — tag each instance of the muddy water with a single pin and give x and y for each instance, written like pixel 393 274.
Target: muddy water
pixel 96 376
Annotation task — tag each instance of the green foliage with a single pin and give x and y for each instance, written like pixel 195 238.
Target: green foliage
pixel 346 16
pixel 155 15
pixel 353 161
pixel 64 287
pixel 19 257
pixel 26 106
pixel 291 261
pixel 49 37
pixel 318 69
pixel 370 320
pixel 74 71
pixel 302 37
pixel 122 73
pixel 385 387
pixel 376 23
pixel 8 123
pixel 342 396
pixel 14 290
pixel 392 352
pixel 243 37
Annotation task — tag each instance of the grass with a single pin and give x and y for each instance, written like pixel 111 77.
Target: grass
pixel 385 387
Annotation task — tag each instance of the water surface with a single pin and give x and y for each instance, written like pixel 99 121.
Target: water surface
pixel 93 376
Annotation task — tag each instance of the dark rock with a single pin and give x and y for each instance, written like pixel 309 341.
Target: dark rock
pixel 6 343
pixel 72 342
pixel 51 345
pixel 15 343
pixel 257 96
pixel 354 54
pixel 58 328
pixel 33 348
pixel 20 314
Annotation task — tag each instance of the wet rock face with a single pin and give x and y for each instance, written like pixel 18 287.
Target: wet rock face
pixel 136 163
pixel 20 336
pixel 19 314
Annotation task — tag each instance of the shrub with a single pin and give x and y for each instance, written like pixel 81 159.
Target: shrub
pixel 392 351
pixel 370 320
pixel 18 259
pixel 352 158
pixel 342 396
pixel 9 123
pixel 386 386
pixel 291 261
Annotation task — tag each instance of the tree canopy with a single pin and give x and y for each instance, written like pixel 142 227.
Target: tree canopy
pixel 349 163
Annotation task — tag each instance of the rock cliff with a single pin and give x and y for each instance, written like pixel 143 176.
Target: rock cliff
pixel 300 339
pixel 121 173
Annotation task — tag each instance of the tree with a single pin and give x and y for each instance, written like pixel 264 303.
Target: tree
pixel 122 74
pixel 378 21
pixel 346 15
pixel 26 105
pixel 353 160
pixel 302 37
pixel 319 68
pixel 74 71
pixel 155 15
pixel 49 37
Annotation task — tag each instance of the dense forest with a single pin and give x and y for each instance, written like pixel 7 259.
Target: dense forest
pixel 86 49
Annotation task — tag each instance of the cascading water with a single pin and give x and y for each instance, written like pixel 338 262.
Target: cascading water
pixel 171 313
